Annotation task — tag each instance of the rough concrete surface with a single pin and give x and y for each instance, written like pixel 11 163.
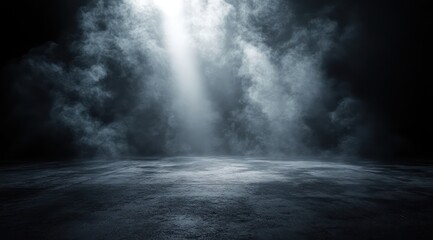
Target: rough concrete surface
pixel 216 198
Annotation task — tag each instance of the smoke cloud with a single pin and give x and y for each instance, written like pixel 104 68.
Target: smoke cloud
pixel 112 89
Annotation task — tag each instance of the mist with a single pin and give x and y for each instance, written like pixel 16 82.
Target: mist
pixel 221 77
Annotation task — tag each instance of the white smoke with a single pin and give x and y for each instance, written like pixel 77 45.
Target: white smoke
pixel 258 77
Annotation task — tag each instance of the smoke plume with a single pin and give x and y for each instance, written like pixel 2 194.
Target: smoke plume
pixel 260 86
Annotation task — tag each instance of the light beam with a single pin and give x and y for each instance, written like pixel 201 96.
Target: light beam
pixel 191 104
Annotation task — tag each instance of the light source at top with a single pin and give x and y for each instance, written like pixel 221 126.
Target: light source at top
pixel 169 7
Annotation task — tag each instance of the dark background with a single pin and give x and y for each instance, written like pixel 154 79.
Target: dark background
pixel 384 67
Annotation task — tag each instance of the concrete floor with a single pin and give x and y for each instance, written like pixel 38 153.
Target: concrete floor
pixel 216 198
